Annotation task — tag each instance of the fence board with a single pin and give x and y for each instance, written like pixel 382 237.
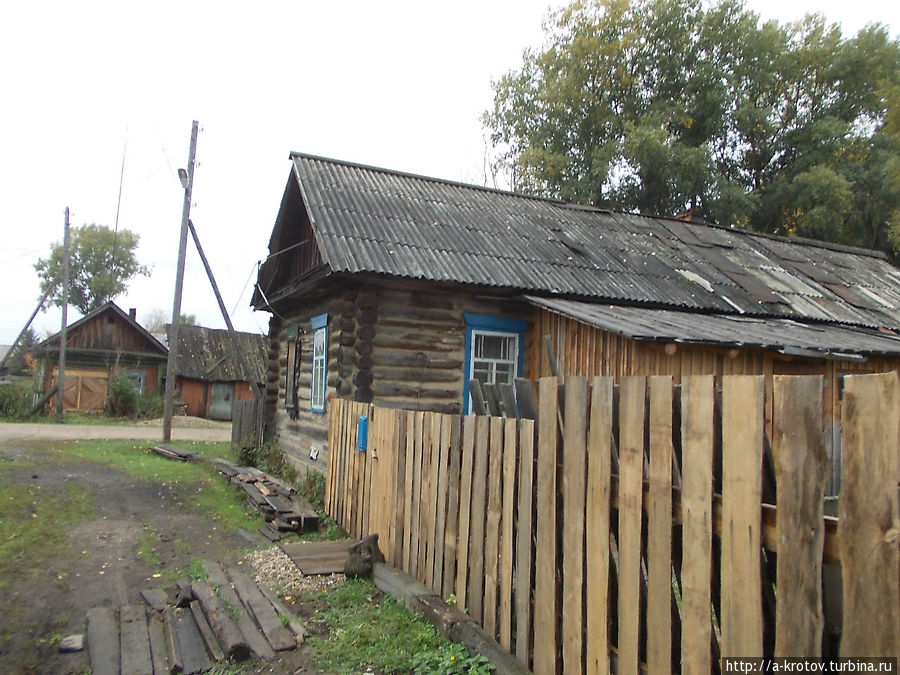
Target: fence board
pixel 659 529
pixel 409 476
pixel 399 505
pixel 697 405
pixel 869 520
pixel 465 511
pixel 742 447
pixel 451 532
pixel 573 479
pixel 430 459
pixel 492 526
pixel 597 526
pixel 476 543
pixel 632 392
pixel 545 548
pixel 800 473
pixel 507 561
pixel 441 502
pixel 524 542
pixel 415 545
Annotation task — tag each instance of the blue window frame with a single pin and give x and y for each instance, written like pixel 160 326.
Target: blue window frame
pixel 494 351
pixel 319 362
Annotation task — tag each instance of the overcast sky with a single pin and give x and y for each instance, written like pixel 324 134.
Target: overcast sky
pixel 393 84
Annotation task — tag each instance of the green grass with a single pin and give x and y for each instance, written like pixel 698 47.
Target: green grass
pixel 370 630
pixel 33 525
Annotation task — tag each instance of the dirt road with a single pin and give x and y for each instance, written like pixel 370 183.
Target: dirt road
pixel 80 432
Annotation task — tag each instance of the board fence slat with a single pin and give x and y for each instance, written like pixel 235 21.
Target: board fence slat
pixel 465 510
pixel 479 495
pixel 507 561
pixel 492 525
pixel 524 543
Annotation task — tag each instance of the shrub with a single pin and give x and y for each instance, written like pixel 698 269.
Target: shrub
pixel 150 406
pixel 269 459
pixel 15 399
pixel 123 396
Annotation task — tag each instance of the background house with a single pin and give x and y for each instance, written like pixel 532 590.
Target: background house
pixel 215 368
pixel 99 344
pixel 398 289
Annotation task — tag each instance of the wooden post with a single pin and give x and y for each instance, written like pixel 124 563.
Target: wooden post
pixel 179 282
pixel 12 347
pixel 63 336
pixel 212 279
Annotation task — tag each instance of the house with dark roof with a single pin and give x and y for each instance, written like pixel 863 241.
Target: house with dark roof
pixel 217 367
pixel 98 345
pixel 399 289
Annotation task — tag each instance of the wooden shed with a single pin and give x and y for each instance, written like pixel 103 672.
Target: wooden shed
pixel 399 289
pixel 216 367
pixel 99 344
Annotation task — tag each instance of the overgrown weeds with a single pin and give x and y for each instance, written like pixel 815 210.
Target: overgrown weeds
pixel 15 400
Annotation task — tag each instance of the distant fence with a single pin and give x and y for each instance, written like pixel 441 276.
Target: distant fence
pixel 627 527
pixel 247 424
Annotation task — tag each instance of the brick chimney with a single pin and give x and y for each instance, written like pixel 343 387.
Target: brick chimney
pixel 132 314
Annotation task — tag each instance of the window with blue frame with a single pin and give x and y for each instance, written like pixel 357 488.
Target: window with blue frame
pixel 319 362
pixel 493 351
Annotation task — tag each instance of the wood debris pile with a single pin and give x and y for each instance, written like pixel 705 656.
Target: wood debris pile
pixel 223 617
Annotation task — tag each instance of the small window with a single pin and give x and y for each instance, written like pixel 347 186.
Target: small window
pixel 139 378
pixel 493 351
pixel 292 370
pixel 319 363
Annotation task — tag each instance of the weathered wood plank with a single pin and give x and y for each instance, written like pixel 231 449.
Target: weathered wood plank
pixel 227 633
pixel 574 456
pixel 416 552
pixel 597 530
pixel 524 533
pixel 190 644
pixel 631 462
pixel 800 471
pixel 659 529
pixel 173 651
pixel 869 516
pixel 103 641
pixel 465 510
pixel 212 645
pixel 477 517
pixel 507 562
pixel 156 598
pixel 492 526
pixel 134 641
pixel 399 504
pixel 545 643
pixel 451 531
pixel 158 651
pixel 432 451
pixel 409 476
pixel 697 405
pixel 266 618
pixel 742 448
pixel 443 455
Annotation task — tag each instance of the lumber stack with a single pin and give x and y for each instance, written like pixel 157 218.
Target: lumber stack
pixel 283 509
pixel 227 616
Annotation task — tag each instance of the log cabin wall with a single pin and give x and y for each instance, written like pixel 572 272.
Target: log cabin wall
pixel 397 344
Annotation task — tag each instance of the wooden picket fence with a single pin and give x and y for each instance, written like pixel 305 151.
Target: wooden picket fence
pixel 626 527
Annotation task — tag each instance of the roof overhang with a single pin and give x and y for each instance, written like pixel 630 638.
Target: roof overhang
pixel 789 337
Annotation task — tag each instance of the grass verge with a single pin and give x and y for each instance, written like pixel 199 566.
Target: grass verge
pixel 368 630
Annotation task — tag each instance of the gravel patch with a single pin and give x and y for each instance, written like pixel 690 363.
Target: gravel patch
pixel 276 570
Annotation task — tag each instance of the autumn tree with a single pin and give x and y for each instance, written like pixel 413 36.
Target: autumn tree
pixel 101 263
pixel 658 106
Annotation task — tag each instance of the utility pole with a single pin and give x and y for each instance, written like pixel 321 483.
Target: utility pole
pixel 212 279
pixel 187 180
pixel 63 337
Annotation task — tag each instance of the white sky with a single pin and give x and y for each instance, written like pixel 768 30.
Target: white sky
pixel 399 84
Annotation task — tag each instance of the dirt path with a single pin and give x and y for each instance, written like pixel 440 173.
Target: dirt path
pixel 76 432
pixel 143 534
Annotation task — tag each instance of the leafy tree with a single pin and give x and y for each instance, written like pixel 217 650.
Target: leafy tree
pixel 101 263
pixel 661 105
pixel 156 320
pixel 18 363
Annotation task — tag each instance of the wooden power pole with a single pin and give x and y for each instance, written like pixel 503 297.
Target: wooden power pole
pixel 179 282
pixel 63 337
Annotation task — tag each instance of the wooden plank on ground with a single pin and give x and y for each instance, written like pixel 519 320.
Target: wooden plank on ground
pixel 545 614
pixel 869 516
pixel 441 502
pixel 228 637
pixel 156 598
pixel 190 644
pixel 631 462
pixel 597 529
pixel 158 651
pixel 743 423
pixel 266 618
pixel 697 407
pixel 477 518
pixel 574 454
pixel 173 651
pixel 800 472
pixel 524 535
pixel 451 530
pixel 103 641
pixel 212 645
pixel 507 561
pixel 134 641
pixel 659 528
pixel 492 525
pixel 465 510
pixel 318 557
pixel 258 644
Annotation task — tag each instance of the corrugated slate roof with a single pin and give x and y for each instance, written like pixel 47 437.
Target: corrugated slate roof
pixel 216 355
pixel 367 219
pixel 786 335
